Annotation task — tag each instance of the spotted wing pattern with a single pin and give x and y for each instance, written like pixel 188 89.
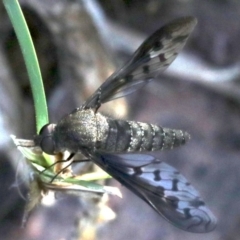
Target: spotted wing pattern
pixel 162 187
pixel 154 55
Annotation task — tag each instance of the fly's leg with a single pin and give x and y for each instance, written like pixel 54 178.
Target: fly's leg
pixel 69 158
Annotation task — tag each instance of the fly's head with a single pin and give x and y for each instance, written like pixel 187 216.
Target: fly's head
pixel 45 139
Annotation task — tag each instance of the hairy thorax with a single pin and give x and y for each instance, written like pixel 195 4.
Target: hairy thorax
pixel 81 129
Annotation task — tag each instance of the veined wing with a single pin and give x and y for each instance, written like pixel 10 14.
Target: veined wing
pixel 154 55
pixel 162 187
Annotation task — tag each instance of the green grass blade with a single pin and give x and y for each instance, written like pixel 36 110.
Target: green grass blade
pixel 19 24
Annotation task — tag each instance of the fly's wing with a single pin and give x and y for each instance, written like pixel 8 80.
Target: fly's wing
pixel 162 187
pixel 154 55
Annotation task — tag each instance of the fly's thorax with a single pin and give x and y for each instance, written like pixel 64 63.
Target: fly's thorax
pixel 78 130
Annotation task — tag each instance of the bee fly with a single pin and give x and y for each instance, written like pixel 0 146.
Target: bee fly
pixel 117 146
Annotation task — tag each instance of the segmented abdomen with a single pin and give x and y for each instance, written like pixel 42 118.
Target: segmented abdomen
pixel 130 136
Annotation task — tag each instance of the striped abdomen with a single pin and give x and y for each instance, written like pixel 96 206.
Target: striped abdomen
pixel 129 136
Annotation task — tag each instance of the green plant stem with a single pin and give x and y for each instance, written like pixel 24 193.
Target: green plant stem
pixel 16 16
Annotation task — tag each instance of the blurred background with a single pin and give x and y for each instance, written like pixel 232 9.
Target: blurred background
pixel 79 44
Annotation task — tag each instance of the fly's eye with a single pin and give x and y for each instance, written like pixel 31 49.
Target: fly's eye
pixel 45 139
pixel 47 145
